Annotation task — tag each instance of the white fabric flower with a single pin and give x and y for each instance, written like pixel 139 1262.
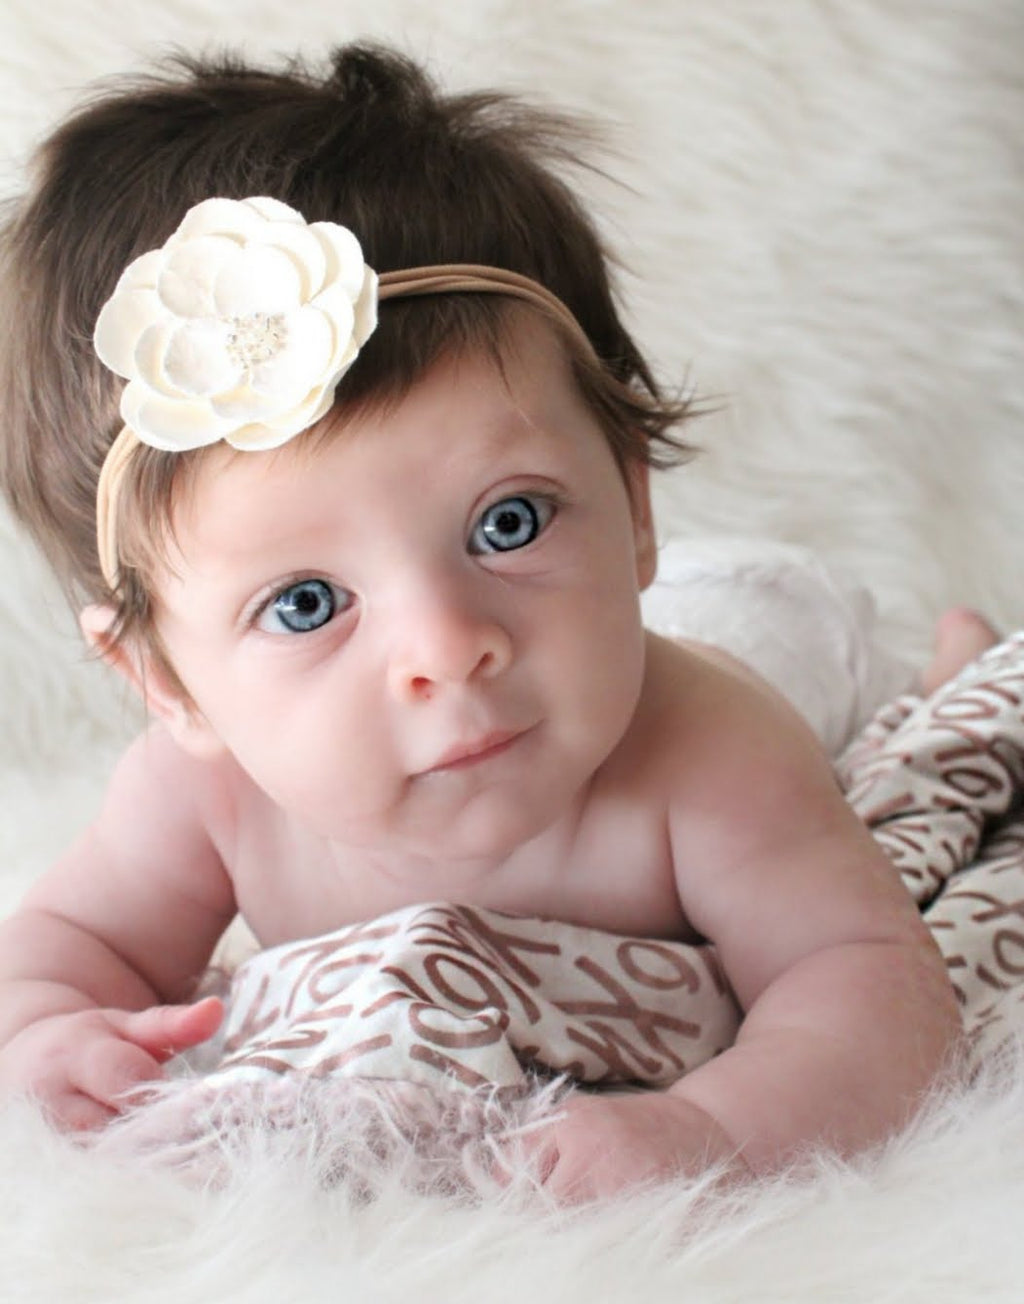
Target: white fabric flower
pixel 239 328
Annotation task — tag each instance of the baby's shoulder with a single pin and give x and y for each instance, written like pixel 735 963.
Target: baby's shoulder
pixel 159 783
pixel 703 718
pixel 690 691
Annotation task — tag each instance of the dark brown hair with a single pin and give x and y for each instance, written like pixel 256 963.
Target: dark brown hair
pixel 420 177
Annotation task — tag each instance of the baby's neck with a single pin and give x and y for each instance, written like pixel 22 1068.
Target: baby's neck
pixel 410 869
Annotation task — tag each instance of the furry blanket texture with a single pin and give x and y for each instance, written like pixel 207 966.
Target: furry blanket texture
pixel 820 228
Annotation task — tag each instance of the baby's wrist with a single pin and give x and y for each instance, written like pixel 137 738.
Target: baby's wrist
pixel 25 1003
pixel 704 1132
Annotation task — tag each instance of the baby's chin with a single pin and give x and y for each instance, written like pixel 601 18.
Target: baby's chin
pixel 446 852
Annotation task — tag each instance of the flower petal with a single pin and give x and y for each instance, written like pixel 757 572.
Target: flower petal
pixel 239 327
pixel 336 308
pixel 274 210
pixel 318 404
pixel 149 356
pixel 142 272
pixel 121 321
pixel 187 282
pixel 303 361
pixel 259 279
pixel 235 218
pixel 366 307
pixel 258 438
pixel 241 405
pixel 173 424
pixel 305 251
pixel 275 431
pixel 196 361
pixel 345 266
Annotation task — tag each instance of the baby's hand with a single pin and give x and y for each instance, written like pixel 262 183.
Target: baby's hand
pixel 79 1066
pixel 603 1144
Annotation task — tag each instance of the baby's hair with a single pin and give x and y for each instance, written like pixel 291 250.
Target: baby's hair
pixel 419 176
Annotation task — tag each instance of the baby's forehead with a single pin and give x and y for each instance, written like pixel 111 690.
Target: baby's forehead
pixel 524 378
pixel 473 407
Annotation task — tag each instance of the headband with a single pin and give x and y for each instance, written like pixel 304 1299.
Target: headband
pixel 242 325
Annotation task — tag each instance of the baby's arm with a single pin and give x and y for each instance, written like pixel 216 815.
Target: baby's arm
pixel 849 1013
pixel 97 962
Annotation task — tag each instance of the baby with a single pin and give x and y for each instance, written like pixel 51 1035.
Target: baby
pixel 378 585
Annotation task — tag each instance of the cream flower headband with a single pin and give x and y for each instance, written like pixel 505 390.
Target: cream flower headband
pixel 241 326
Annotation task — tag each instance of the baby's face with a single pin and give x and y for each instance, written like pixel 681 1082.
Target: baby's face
pixel 423 636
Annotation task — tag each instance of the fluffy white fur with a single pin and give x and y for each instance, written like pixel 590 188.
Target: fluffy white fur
pixel 933 1218
pixel 822 228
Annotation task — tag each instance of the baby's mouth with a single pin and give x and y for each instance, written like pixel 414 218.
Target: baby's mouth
pixel 464 755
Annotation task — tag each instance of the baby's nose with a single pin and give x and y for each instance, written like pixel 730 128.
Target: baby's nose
pixel 446 643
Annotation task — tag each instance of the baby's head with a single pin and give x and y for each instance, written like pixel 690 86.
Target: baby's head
pixel 420 178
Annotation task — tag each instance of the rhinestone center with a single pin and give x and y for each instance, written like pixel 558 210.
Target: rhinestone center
pixel 256 337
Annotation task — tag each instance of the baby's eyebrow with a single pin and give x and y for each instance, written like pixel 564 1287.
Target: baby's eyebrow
pixel 520 425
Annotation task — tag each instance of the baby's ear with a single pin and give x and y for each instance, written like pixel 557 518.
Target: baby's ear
pixel 151 677
pixel 638 482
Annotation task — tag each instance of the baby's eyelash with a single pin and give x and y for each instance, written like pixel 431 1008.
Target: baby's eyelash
pixel 252 610
pixel 303 607
pixel 512 521
pixel 255 610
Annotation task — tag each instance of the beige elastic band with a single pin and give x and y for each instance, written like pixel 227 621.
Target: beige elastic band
pixel 447 278
pixel 469 278
pixel 108 487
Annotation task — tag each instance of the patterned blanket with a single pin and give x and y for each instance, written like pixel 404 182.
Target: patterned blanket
pixel 459 998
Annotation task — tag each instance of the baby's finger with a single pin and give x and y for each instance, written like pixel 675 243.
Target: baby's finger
pixel 165 1030
pixel 73 1112
pixel 110 1069
pixel 529 1155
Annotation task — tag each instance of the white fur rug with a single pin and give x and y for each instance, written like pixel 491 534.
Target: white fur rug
pixel 822 226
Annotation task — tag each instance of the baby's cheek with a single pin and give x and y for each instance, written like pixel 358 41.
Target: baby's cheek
pixel 350 784
pixel 605 689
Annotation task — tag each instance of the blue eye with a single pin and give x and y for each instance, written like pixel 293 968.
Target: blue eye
pixel 303 607
pixel 509 524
